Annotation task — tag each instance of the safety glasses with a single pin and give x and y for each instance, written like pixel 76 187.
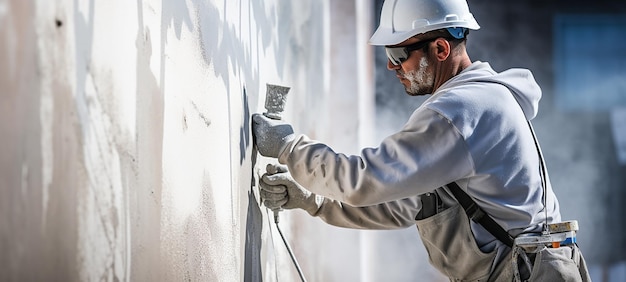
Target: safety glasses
pixel 397 55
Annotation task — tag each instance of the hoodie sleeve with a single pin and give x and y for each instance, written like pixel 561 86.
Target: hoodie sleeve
pixel 391 215
pixel 427 153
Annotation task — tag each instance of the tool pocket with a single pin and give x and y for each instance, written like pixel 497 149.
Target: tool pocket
pixel 451 246
pixel 556 264
pixel 431 205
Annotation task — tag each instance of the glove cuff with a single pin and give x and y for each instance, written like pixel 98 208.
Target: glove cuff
pixel 313 204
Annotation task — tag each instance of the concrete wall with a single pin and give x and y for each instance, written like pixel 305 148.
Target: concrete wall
pixel 125 129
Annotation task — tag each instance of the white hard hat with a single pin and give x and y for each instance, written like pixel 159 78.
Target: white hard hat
pixel 402 19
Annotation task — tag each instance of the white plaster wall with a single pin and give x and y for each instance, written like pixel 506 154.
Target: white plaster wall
pixel 126 149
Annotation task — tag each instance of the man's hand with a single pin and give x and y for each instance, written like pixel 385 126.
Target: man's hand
pixel 279 190
pixel 271 136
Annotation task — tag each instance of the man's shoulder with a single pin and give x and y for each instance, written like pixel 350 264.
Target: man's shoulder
pixel 469 96
pixel 470 104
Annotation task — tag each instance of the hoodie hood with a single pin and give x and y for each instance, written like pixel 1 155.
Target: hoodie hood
pixel 520 81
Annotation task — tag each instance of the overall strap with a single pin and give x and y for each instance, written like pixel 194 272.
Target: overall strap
pixel 475 213
pixel 478 215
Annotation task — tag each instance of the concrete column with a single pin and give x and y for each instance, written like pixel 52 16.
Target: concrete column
pixel 351 76
pixel 346 124
pixel 366 127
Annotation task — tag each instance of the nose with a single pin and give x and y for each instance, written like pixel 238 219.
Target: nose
pixel 391 66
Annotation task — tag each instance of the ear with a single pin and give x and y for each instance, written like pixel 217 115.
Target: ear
pixel 442 49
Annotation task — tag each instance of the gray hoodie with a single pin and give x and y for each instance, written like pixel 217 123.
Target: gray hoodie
pixel 473 131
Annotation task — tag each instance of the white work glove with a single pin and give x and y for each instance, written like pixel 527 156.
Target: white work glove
pixel 279 190
pixel 271 135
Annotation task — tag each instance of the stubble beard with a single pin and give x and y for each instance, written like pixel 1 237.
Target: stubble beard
pixel 420 81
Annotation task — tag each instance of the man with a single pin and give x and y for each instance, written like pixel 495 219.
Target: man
pixel 469 145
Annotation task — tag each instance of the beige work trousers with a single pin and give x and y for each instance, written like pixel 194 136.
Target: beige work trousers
pixel 452 249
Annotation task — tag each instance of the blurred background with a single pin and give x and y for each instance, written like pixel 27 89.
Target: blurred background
pixel 126 152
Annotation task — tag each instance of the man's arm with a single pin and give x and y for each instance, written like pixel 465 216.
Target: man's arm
pixel 429 152
pixel 279 190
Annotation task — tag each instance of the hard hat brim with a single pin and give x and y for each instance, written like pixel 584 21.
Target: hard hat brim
pixel 384 36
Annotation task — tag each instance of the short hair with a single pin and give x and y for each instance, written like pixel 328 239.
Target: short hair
pixel 445 34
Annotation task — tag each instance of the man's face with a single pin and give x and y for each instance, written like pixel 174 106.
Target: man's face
pixel 412 68
pixel 417 81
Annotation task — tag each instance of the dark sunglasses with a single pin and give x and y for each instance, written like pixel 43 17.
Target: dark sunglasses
pixel 397 55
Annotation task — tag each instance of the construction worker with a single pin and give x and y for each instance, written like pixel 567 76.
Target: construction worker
pixel 466 167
